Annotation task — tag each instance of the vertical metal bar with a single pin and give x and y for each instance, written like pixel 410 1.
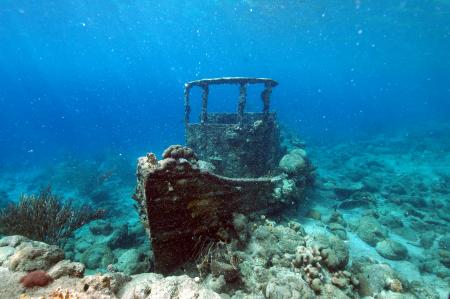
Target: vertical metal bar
pixel 204 115
pixel 187 105
pixel 265 96
pixel 242 102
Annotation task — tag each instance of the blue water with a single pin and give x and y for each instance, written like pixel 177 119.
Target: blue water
pixel 87 86
pixel 82 77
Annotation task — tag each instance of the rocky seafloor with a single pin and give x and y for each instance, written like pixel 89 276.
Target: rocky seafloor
pixel 375 225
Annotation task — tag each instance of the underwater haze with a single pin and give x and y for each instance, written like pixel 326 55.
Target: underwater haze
pixel 79 77
pixel 345 194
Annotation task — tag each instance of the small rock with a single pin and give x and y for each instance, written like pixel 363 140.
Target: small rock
pixel 101 227
pixel 297 227
pixel 179 287
pixel 229 272
pixel 316 285
pixel 12 241
pixel 314 214
pixel 345 191
pixel 98 256
pixel 108 284
pixel 353 204
pixel 444 257
pixel 444 242
pixel 338 230
pixel 407 233
pixel 287 286
pixel 292 164
pixel 372 278
pixel 33 255
pixel 299 151
pixel 333 250
pixel 392 250
pixel 370 230
pixel 133 261
pixel 394 285
pixel 66 268
pixel 339 282
pixel 391 221
pixel 5 253
pixel 427 240
pixel 122 237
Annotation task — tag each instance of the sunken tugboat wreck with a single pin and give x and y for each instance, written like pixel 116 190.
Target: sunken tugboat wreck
pixel 234 166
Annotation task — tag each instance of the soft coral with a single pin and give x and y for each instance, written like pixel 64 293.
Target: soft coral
pixel 36 278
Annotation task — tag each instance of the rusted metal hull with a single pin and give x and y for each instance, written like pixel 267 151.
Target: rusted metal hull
pixel 186 206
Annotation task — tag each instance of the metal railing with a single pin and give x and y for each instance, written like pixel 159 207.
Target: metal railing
pixel 243 82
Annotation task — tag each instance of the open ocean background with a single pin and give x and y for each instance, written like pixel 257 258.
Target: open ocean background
pixel 81 78
pixel 88 86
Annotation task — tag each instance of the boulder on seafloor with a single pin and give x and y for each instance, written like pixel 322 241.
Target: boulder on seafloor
pixel 392 250
pixel 121 237
pixel 357 200
pixel 133 261
pixel 292 163
pixel 346 190
pixel 393 295
pixel 444 257
pixel 33 255
pixel 406 232
pixel 334 251
pixel 13 241
pixel 101 227
pixel 444 242
pixel 154 286
pixel 370 230
pixel 432 265
pixel 106 284
pixel 241 227
pixel 338 230
pixel 140 286
pixel 66 268
pixel 427 239
pixel 391 221
pixel 314 214
pixel 373 278
pixel 97 256
pixel 287 285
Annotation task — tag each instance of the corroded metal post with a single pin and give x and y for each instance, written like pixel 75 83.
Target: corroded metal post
pixel 265 96
pixel 204 115
pixel 242 102
pixel 187 105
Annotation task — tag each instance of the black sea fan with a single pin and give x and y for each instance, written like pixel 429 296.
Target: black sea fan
pixel 45 217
